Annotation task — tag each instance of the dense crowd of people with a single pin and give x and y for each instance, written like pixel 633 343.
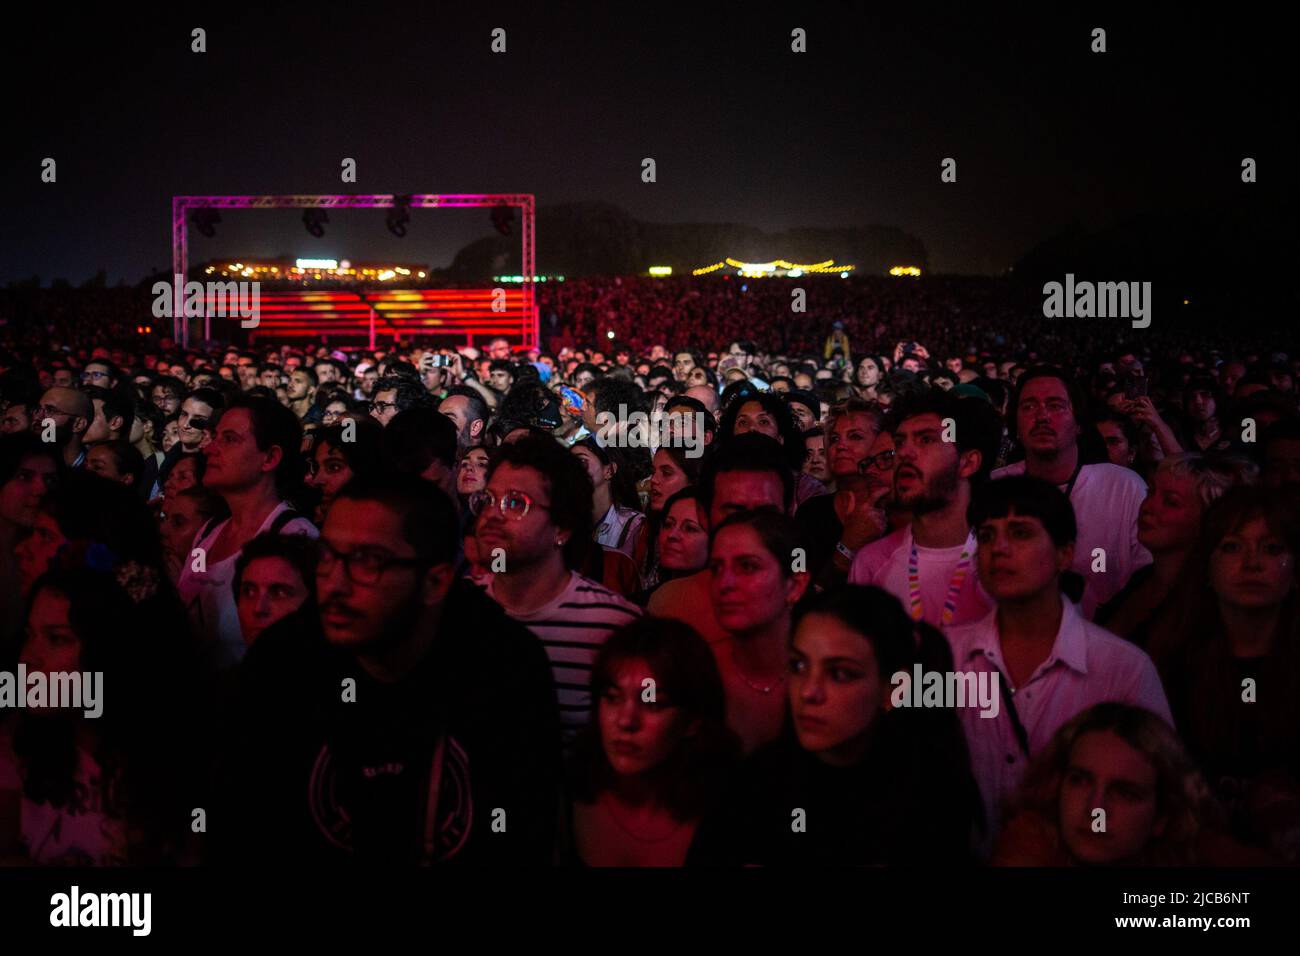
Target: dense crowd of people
pixel 922 577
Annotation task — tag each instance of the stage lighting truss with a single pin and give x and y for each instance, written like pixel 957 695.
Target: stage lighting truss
pixel 502 206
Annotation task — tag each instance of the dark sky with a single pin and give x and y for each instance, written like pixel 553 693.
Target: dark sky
pixel 1045 133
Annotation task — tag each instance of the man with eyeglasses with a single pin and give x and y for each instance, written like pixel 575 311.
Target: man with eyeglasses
pixel 71 411
pixel 407 721
pixel 397 393
pixel 100 373
pixel 534 516
pixel 1106 497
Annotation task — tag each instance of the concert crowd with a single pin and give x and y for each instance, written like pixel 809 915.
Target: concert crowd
pixel 919 578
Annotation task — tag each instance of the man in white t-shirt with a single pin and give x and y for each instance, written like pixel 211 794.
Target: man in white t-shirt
pixel 941 443
pixel 252 459
pixel 534 517
pixel 1106 497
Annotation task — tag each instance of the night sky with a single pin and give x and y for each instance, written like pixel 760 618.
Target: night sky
pixel 1045 133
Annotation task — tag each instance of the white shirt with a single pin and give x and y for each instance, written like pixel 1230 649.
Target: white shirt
pixel 1106 500
pixel 209 595
pixel 618 529
pixel 1087 665
pixel 884 563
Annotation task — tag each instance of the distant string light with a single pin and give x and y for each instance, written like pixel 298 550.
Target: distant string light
pixel 758 270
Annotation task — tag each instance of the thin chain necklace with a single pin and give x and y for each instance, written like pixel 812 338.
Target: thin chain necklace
pixel 609 806
pixel 760 687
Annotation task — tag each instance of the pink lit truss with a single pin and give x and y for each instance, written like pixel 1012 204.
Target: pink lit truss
pixel 460 312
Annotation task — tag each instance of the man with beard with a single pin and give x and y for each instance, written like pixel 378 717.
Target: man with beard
pixel 466 408
pixel 72 412
pixel 942 444
pixel 1106 497
pixel 373 731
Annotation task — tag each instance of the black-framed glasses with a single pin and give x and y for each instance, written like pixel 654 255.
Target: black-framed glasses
pixel 197 422
pixel 379 407
pixel 363 566
pixel 88 376
pixel 514 504
pixel 882 462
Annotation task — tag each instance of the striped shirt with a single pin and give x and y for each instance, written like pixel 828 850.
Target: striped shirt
pixel 572 628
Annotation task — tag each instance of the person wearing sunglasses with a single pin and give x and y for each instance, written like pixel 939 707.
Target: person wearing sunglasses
pixel 534 525
pixel 71 412
pixel 370 730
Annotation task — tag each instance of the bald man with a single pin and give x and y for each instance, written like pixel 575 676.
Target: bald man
pixel 71 412
pixel 706 395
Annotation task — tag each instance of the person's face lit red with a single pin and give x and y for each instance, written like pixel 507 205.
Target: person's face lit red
pixel 751 589
pixel 36 551
pixel 599 473
pixel 1170 516
pixel 926 468
pixel 270 590
pixel 1017 558
pixel 330 471
pixel 51 645
pixel 471 474
pixel 836 688
pixel 180 523
pixel 638 735
pixel 21 496
pixel 849 442
pixel 233 458
pixel 881 458
pixel 1252 568
pixel 195 416
pixel 753 417
pixel 1106 773
pixel 666 479
pixel 1045 418
pixel 745 491
pixel 528 539
pixel 1118 450
pixel 184 474
pixel 361 615
pixel 815 463
pixel 683 538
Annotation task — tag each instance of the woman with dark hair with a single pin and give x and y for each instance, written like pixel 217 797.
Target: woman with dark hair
pixel 1230 657
pixel 759 573
pixel 768 414
pixel 274 576
pixel 860 781
pixel 95 782
pixel 333 462
pixel 616 515
pixel 1124 768
pixel 657 753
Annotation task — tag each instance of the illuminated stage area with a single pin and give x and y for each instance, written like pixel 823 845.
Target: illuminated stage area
pixel 457 314
pixel 450 317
